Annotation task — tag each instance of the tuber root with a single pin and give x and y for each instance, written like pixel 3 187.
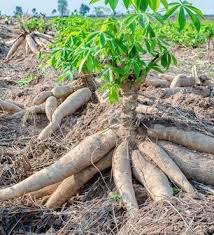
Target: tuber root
pixel 89 151
pixel 50 107
pixel 182 81
pixel 153 179
pixel 7 106
pixel 68 107
pixel 190 139
pixel 42 97
pixel 123 176
pixel 31 43
pixel 156 82
pixel 71 185
pixel 63 91
pixel 194 165
pixel 46 191
pixel 15 46
pixel 141 108
pixel 167 165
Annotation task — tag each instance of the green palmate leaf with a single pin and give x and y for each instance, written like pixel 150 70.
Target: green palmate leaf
pixel 143 20
pixel 127 3
pixel 171 11
pixel 130 19
pixel 181 18
pixel 143 5
pixel 174 60
pixel 164 60
pixel 102 39
pixel 195 19
pixel 113 94
pixel 165 3
pixel 195 10
pixel 137 69
pixel 154 4
pixel 94 1
pixel 113 4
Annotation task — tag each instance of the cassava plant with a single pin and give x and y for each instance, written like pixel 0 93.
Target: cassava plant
pixel 123 52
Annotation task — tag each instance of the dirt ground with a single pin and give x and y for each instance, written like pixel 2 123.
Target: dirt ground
pixel 95 210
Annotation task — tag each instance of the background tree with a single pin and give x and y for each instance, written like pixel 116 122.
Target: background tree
pixel 62 7
pixel 34 12
pixel 75 12
pixel 18 11
pixel 54 11
pixel 99 11
pixel 84 9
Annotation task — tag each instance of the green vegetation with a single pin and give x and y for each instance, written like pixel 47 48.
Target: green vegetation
pixel 189 37
pixel 25 81
pixel 122 51
pixel 37 24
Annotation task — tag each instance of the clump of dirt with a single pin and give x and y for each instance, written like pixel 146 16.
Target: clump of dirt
pixel 4 32
pixel 3 50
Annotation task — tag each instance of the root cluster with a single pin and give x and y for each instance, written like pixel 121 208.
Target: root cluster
pixel 164 161
pixel 34 42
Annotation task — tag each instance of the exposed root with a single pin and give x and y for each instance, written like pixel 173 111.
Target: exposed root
pixel 167 165
pixel 123 176
pixel 183 81
pixel 156 82
pixel 68 107
pixel 71 185
pixel 195 166
pixel 191 139
pixel 50 107
pixel 89 151
pixel 7 106
pixel 154 180
pixel 32 44
pixel 18 41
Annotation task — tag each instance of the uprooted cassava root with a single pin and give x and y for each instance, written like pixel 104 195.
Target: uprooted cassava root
pixel 89 151
pixel 167 165
pixel 141 108
pixel 64 91
pixel 42 35
pixel 15 46
pixel 68 107
pixel 46 191
pixel 32 44
pixel 32 41
pixel 194 165
pixel 167 77
pixel 7 106
pixel 156 82
pixel 50 107
pixel 42 97
pixel 191 139
pixel 201 91
pixel 123 176
pixel 36 109
pixel 182 81
pixel 71 185
pixel 153 179
pixel 26 113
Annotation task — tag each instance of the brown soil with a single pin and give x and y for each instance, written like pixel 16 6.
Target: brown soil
pixel 96 210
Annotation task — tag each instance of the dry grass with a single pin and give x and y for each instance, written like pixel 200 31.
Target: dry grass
pixel 180 215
